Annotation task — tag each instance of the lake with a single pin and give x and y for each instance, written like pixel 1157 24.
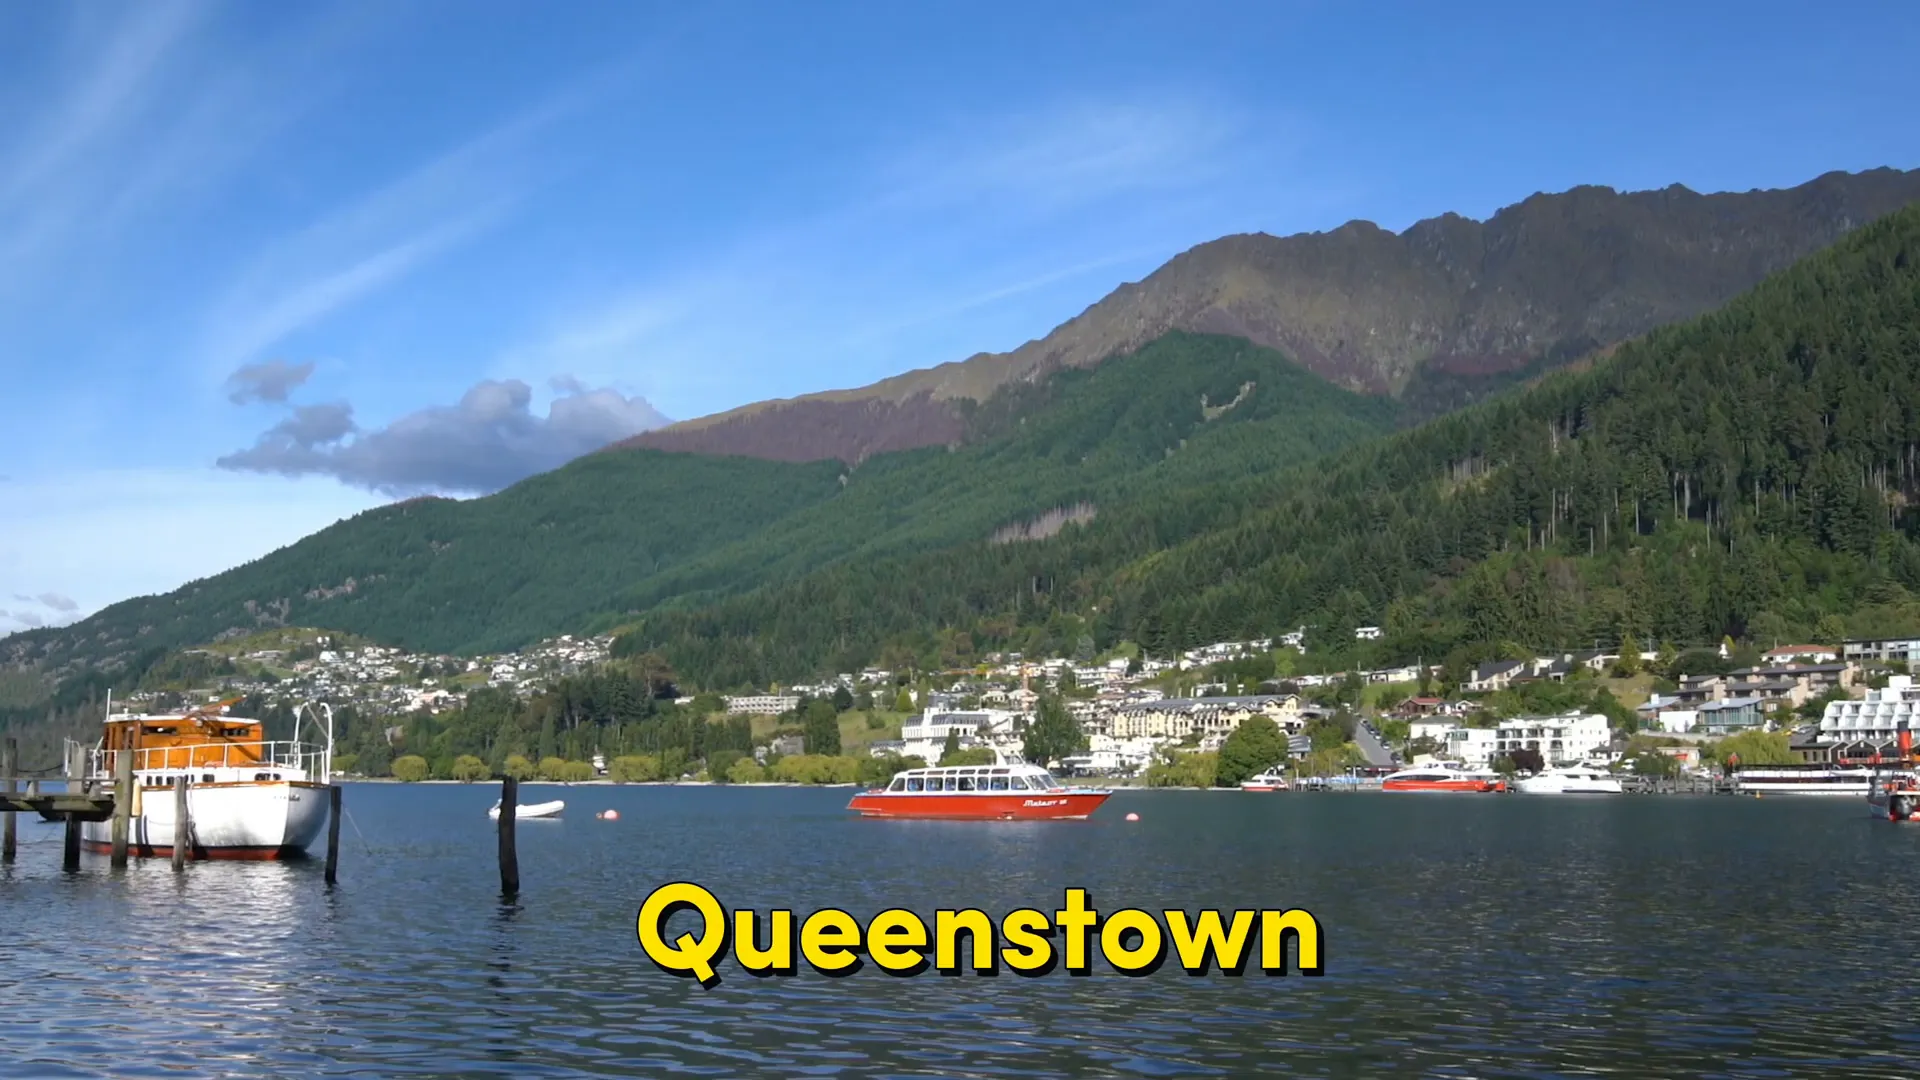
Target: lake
pixel 1491 936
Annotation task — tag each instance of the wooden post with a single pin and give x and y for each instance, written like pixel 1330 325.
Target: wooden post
pixel 122 804
pixel 8 760
pixel 509 858
pixel 333 833
pixel 70 852
pixel 182 830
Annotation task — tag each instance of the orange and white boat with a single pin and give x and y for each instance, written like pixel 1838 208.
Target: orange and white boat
pixel 1446 776
pixel 247 797
pixel 1271 780
pixel 1008 790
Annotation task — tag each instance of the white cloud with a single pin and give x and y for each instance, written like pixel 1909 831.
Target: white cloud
pixel 96 537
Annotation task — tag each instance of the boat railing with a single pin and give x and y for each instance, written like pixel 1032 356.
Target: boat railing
pixel 312 760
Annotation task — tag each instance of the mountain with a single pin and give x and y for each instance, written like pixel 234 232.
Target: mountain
pixel 1440 314
pixel 615 534
pixel 1754 472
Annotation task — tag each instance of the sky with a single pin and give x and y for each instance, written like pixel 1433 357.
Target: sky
pixel 265 266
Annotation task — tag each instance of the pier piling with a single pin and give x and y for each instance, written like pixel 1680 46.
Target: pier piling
pixel 333 833
pixel 9 758
pixel 70 851
pixel 509 858
pixel 182 832
pixel 122 805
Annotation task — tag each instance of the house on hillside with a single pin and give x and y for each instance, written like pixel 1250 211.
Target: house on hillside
pixel 1498 675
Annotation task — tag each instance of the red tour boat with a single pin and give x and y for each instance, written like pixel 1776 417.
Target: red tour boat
pixel 1008 790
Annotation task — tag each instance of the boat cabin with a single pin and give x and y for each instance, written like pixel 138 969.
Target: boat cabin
pixel 205 744
pixel 983 778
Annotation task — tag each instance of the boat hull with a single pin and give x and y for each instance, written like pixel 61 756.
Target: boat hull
pixel 242 820
pixel 980 806
pixel 1880 806
pixel 534 812
pixel 1477 787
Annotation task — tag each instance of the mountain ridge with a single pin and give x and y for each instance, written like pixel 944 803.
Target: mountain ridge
pixel 1540 282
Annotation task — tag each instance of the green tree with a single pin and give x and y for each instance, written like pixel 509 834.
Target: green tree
pixel 1629 663
pixel 822 724
pixel 552 768
pixel 951 746
pixel 518 767
pixel 842 698
pixel 903 701
pixel 633 769
pixel 1755 748
pixel 1250 749
pixel 719 761
pixel 1831 630
pixel 1054 734
pixel 745 771
pixel 467 769
pixel 973 755
pixel 410 767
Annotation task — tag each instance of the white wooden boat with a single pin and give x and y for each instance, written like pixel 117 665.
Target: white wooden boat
pixel 522 811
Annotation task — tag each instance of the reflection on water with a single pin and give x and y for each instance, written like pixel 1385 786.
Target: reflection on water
pixel 1485 937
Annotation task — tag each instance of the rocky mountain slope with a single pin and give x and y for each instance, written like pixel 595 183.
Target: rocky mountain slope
pixel 1442 309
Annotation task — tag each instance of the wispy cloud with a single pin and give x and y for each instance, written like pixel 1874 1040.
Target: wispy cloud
pixel 144 106
pixel 994 211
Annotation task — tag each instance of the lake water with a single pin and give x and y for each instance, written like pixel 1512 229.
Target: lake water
pixel 1496 936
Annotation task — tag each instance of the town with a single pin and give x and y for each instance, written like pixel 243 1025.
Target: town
pixel 1658 712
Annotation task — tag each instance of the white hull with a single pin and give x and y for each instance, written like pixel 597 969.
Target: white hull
pixel 1569 787
pixel 526 811
pixel 245 820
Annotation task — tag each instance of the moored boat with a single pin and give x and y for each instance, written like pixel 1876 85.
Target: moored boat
pixel 1446 776
pixel 1008 790
pixel 1569 780
pixel 248 797
pixel 1271 780
pixel 1895 795
pixel 1809 779
pixel 526 811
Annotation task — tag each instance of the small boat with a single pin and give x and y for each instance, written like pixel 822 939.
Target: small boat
pixel 1571 780
pixel 1008 790
pixel 522 811
pixel 1446 776
pixel 1895 794
pixel 1271 780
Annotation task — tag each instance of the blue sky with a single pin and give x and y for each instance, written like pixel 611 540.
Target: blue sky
pixel 413 228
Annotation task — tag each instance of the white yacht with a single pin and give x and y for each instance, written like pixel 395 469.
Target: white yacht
pixel 1570 780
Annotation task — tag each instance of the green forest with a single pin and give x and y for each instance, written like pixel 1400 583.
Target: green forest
pixel 616 533
pixel 1749 473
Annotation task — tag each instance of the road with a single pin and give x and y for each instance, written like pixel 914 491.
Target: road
pixel 1368 740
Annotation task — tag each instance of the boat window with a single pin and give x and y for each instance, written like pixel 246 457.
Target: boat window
pixel 999 783
pixel 950 784
pixel 966 783
pixel 157 729
pixel 1000 772
pixel 914 783
pixel 1020 783
pixel 206 778
pixel 260 776
pixel 897 785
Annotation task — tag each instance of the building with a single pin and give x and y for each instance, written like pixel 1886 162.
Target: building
pixel 927 736
pixel 1176 718
pixel 763 704
pixel 1366 633
pixel 1487 678
pixel 1897 651
pixel 1557 739
pixel 1472 746
pixel 1801 654
pixel 1872 725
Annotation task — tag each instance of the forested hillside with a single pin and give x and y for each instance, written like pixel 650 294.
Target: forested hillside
pixel 616 533
pixel 1747 473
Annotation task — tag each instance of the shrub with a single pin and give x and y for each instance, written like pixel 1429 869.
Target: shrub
pixel 410 767
pixel 518 767
pixel 633 769
pixel 467 769
pixel 574 772
pixel 552 768
pixel 745 771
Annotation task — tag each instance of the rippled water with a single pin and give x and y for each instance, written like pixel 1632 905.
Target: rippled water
pixel 1500 936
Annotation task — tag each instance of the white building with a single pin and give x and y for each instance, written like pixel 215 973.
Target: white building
pixel 926 737
pixel 1877 718
pixel 1366 633
pixel 763 704
pixel 1473 746
pixel 1558 739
